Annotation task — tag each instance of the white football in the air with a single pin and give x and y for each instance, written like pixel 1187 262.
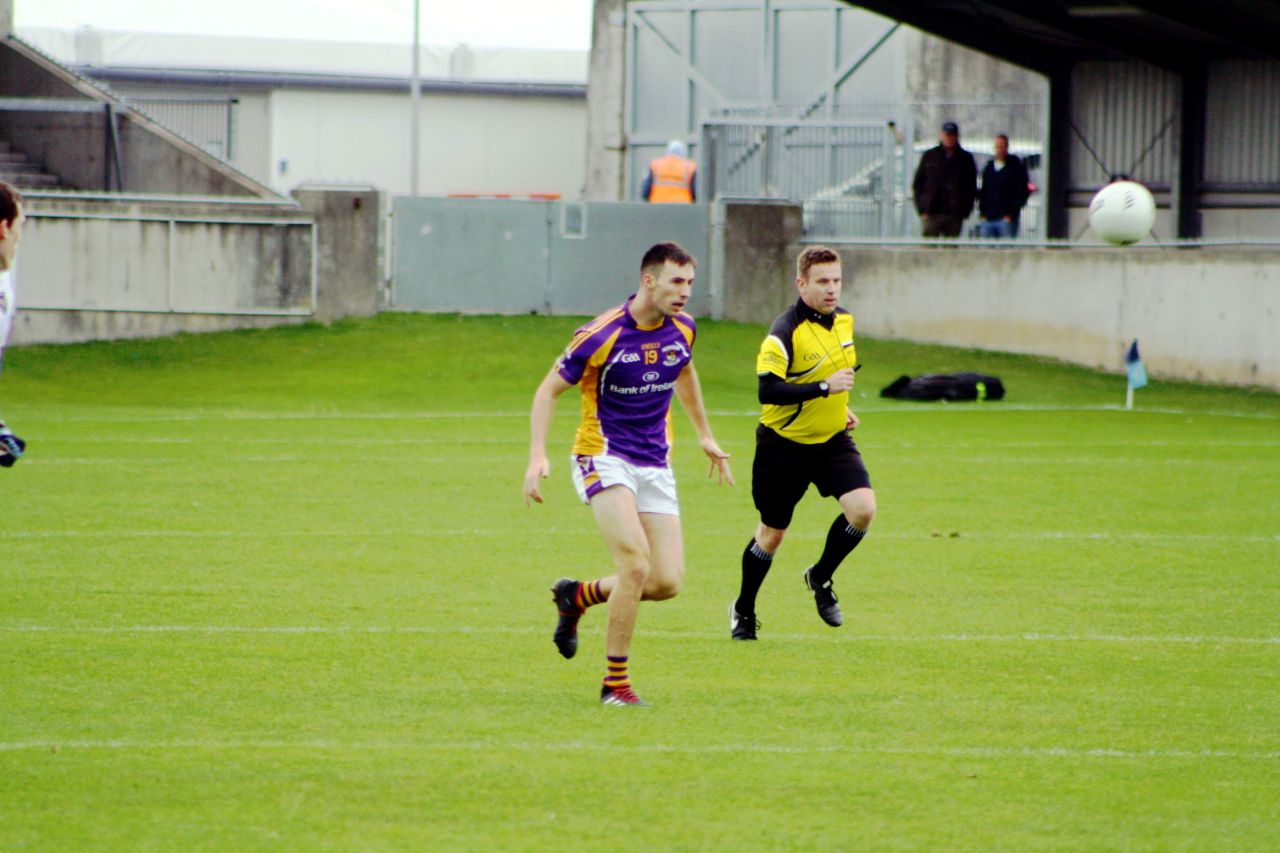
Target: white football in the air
pixel 1122 212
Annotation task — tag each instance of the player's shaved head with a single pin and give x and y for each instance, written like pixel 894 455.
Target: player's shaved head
pixel 659 254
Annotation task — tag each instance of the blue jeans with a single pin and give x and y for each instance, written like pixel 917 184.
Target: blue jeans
pixel 997 228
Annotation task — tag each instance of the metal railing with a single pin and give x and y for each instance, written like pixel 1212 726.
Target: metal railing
pixel 847 176
pixel 852 177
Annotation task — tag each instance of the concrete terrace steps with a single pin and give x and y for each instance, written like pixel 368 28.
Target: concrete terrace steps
pixel 24 173
pixel 29 180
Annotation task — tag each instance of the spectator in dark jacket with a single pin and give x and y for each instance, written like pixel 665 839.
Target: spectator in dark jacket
pixel 1005 188
pixel 945 184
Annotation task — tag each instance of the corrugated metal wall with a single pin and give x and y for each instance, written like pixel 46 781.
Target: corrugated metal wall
pixel 1242 128
pixel 1124 120
pixel 207 121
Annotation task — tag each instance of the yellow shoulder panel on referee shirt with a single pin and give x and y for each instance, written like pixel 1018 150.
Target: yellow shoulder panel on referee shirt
pixel 800 348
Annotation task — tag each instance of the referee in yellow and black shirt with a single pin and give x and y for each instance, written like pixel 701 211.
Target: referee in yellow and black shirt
pixel 806 366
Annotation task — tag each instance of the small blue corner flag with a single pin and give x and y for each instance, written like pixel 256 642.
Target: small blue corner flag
pixel 1134 368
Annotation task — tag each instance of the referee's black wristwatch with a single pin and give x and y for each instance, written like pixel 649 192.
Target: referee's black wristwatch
pixel 824 387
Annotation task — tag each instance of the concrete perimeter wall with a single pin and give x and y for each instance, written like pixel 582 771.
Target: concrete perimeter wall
pixel 754 246
pixel 1204 314
pixel 350 247
pixel 109 267
pixel 1207 313
pixel 101 267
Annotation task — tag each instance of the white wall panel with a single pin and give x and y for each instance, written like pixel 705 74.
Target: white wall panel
pixel 470 143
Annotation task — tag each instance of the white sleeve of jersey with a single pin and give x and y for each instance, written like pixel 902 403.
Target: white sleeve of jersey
pixel 7 308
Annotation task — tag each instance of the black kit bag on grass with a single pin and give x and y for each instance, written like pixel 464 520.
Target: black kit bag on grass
pixel 945 386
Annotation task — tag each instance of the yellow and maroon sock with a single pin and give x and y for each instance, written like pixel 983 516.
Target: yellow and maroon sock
pixel 589 594
pixel 617 679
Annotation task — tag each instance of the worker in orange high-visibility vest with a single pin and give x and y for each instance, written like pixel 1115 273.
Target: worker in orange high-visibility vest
pixel 672 178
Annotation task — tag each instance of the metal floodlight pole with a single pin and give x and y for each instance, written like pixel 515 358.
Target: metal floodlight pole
pixel 415 101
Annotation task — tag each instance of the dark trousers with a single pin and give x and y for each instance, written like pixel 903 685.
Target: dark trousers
pixel 940 225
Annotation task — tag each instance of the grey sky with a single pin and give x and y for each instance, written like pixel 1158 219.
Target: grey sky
pixel 561 24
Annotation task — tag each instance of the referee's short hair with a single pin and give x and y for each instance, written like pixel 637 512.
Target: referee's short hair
pixel 10 199
pixel 659 254
pixel 813 256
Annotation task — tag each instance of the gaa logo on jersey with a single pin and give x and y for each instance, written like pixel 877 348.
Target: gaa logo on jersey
pixel 4 303
pixel 672 353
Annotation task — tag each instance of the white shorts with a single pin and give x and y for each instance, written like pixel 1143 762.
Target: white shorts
pixel 654 488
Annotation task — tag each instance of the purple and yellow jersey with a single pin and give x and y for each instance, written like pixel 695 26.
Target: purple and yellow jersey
pixel 628 373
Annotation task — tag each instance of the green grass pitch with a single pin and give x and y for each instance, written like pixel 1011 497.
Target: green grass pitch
pixel 279 590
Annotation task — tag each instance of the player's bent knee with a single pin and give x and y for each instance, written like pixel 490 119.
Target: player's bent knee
pixel 769 538
pixel 662 590
pixel 860 508
pixel 635 576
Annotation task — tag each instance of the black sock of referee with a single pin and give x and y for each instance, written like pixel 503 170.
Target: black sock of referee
pixel 755 565
pixel 842 538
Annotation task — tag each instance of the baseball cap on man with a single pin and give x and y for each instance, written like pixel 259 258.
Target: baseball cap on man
pixel 950 127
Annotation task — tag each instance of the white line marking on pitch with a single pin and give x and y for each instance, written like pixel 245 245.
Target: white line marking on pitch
pixel 512 450
pixel 422 458
pixel 452 441
pixel 1133 537
pixel 997 752
pixel 903 408
pixel 313 459
pixel 263 534
pixel 457 629
pixel 389 442
pixel 1262 538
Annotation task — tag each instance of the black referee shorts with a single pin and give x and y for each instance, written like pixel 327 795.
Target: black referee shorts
pixel 783 470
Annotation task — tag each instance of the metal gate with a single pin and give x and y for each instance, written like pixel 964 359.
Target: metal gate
pixel 508 256
pixel 847 176
pixel 689 60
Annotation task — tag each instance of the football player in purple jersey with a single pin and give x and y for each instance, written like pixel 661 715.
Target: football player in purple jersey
pixel 628 362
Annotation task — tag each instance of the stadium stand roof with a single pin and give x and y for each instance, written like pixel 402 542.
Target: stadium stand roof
pixel 116 55
pixel 1050 33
